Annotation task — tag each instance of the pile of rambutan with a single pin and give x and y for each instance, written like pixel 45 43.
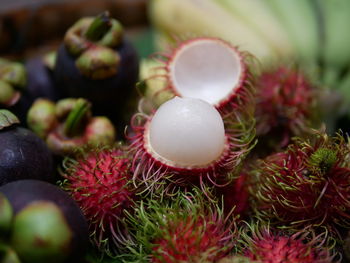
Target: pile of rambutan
pixel 229 168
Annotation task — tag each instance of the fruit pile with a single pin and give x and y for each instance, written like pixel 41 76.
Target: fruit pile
pixel 218 159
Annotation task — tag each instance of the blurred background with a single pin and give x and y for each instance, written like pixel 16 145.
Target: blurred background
pixel 29 27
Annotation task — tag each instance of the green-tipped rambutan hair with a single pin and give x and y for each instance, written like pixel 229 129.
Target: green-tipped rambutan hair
pixel 153 170
pixel 99 180
pixel 265 244
pixel 185 228
pixel 308 184
pixel 286 106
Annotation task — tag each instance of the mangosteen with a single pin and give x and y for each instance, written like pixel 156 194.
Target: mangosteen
pixel 20 85
pixel 40 83
pixel 13 80
pixel 69 124
pixel 23 155
pixel 6 213
pixel 98 63
pixel 48 226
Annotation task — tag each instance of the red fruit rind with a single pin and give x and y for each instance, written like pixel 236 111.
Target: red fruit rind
pixel 99 181
pixel 285 104
pixel 187 229
pixel 241 93
pixel 274 246
pixel 308 184
pixel 153 172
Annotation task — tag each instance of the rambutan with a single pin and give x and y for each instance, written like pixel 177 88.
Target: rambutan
pixel 210 69
pixel 237 259
pixel 183 229
pixel 308 184
pixel 186 141
pixel 236 194
pixel 285 105
pixel 99 181
pixel 268 246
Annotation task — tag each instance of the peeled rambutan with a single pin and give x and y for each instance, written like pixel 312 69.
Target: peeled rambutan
pixel 210 69
pixel 308 184
pixel 99 181
pixel 186 141
pixel 268 246
pixel 184 229
pixel 285 105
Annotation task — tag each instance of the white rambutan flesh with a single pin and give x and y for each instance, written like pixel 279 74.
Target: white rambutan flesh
pixel 186 132
pixel 206 68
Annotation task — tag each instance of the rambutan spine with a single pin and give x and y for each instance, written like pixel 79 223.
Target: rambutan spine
pixel 153 173
pixel 211 54
pixel 286 105
pixel 184 228
pixel 99 180
pixel 308 184
pixel 265 244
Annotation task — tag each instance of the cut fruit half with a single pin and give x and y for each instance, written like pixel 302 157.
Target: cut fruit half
pixel 185 141
pixel 210 69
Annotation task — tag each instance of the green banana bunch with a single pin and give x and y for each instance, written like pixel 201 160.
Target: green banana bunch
pixel 310 33
pixel 299 19
pixel 186 18
pixel 336 45
pixel 259 16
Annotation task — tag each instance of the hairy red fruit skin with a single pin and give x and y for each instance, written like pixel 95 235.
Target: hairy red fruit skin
pixel 285 100
pixel 240 92
pixel 271 248
pixel 292 192
pixel 236 195
pixel 189 240
pixel 99 182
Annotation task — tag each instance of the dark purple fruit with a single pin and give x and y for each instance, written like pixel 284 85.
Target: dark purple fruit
pixel 78 71
pixel 23 155
pixel 40 83
pixel 48 225
pixel 21 85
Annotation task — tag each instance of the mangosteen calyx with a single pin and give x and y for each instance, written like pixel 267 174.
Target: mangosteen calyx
pixel 7 119
pixel 91 41
pixel 13 79
pixel 69 124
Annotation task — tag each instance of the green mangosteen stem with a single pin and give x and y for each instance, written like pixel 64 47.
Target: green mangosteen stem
pixel 99 27
pixel 7 119
pixel 74 122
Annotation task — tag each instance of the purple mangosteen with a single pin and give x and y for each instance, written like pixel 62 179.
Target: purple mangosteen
pixel 23 155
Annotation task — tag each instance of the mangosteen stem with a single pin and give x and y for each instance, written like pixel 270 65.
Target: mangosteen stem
pixel 76 117
pixel 7 119
pixel 99 27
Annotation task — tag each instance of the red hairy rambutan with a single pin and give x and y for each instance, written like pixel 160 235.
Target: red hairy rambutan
pixel 267 246
pixel 285 104
pixel 236 194
pixel 308 184
pixel 99 181
pixel 237 259
pixel 186 141
pixel 210 69
pixel 185 229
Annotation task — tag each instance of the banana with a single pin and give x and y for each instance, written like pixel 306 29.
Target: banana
pixel 299 19
pixel 259 16
pixel 186 18
pixel 336 46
